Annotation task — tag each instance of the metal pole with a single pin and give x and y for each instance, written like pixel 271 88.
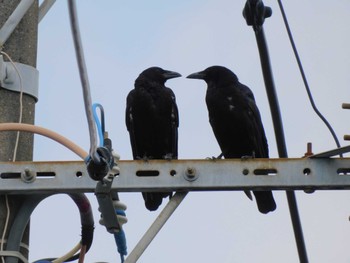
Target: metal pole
pixel 280 139
pixel 255 13
pixel 22 47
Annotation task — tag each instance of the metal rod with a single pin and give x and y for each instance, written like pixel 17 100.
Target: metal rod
pixel 334 152
pixel 13 20
pixel 44 8
pixel 280 139
pixel 155 227
pixel 346 106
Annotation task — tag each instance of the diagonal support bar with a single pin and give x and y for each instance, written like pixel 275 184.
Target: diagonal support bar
pixel 13 20
pixel 44 8
pixel 157 225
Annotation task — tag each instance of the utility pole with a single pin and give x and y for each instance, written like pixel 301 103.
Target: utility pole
pixel 22 47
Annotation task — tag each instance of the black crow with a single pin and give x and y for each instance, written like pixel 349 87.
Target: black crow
pixel 152 120
pixel 236 121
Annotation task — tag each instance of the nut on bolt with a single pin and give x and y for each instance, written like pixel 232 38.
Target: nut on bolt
pixel 191 174
pixel 28 176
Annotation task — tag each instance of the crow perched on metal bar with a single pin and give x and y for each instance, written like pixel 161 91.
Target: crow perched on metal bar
pixel 152 120
pixel 236 122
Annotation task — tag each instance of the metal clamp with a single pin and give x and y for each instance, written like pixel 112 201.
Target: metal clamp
pixel 10 79
pixel 103 194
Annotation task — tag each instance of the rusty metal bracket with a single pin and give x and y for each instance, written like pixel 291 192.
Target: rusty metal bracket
pixel 163 175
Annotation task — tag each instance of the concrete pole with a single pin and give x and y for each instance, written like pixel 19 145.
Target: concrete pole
pixel 22 47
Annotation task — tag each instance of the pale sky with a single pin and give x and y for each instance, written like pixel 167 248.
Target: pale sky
pixel 121 39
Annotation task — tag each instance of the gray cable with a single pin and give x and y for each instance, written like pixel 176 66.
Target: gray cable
pixel 84 78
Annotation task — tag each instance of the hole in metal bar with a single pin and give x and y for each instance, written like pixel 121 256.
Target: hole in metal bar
pixel 245 172
pixel 10 175
pixel 343 171
pixel 307 171
pixel 45 175
pixel 269 172
pixel 172 172
pixel 147 173
pixel 79 174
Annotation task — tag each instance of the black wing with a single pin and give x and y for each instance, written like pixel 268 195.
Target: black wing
pixel 257 132
pixel 129 122
pixel 174 125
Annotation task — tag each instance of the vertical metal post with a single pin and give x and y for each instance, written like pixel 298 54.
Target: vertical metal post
pixel 255 13
pixel 22 47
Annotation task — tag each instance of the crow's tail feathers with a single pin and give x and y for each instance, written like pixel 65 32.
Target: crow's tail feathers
pixel 154 200
pixel 265 201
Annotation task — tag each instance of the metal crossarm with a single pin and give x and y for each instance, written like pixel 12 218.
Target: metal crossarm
pixel 180 175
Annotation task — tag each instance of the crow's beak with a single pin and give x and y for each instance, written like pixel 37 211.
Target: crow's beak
pixel 170 74
pixel 197 75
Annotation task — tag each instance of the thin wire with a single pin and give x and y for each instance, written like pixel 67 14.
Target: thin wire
pixel 6 226
pixel 20 103
pixel 84 78
pixel 8 210
pixel 70 254
pixel 82 254
pixel 304 77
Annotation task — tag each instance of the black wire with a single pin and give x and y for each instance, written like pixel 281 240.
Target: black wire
pixel 304 77
pixel 87 223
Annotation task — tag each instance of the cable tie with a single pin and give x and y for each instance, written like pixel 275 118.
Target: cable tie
pixel 22 245
pixel 15 254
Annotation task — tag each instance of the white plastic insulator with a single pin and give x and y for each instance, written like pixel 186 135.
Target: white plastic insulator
pixel 116 156
pixel 119 205
pixel 121 220
pixel 115 170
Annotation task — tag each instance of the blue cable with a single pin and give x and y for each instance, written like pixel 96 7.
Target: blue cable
pixel 120 239
pixel 97 121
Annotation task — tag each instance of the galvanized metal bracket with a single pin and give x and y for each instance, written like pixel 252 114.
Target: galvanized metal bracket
pixel 180 175
pixel 19 77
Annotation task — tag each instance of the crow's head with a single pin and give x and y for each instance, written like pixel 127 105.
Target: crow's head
pixel 158 75
pixel 214 74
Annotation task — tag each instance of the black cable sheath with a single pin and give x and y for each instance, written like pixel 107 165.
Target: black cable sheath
pixel 301 69
pixel 26 210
